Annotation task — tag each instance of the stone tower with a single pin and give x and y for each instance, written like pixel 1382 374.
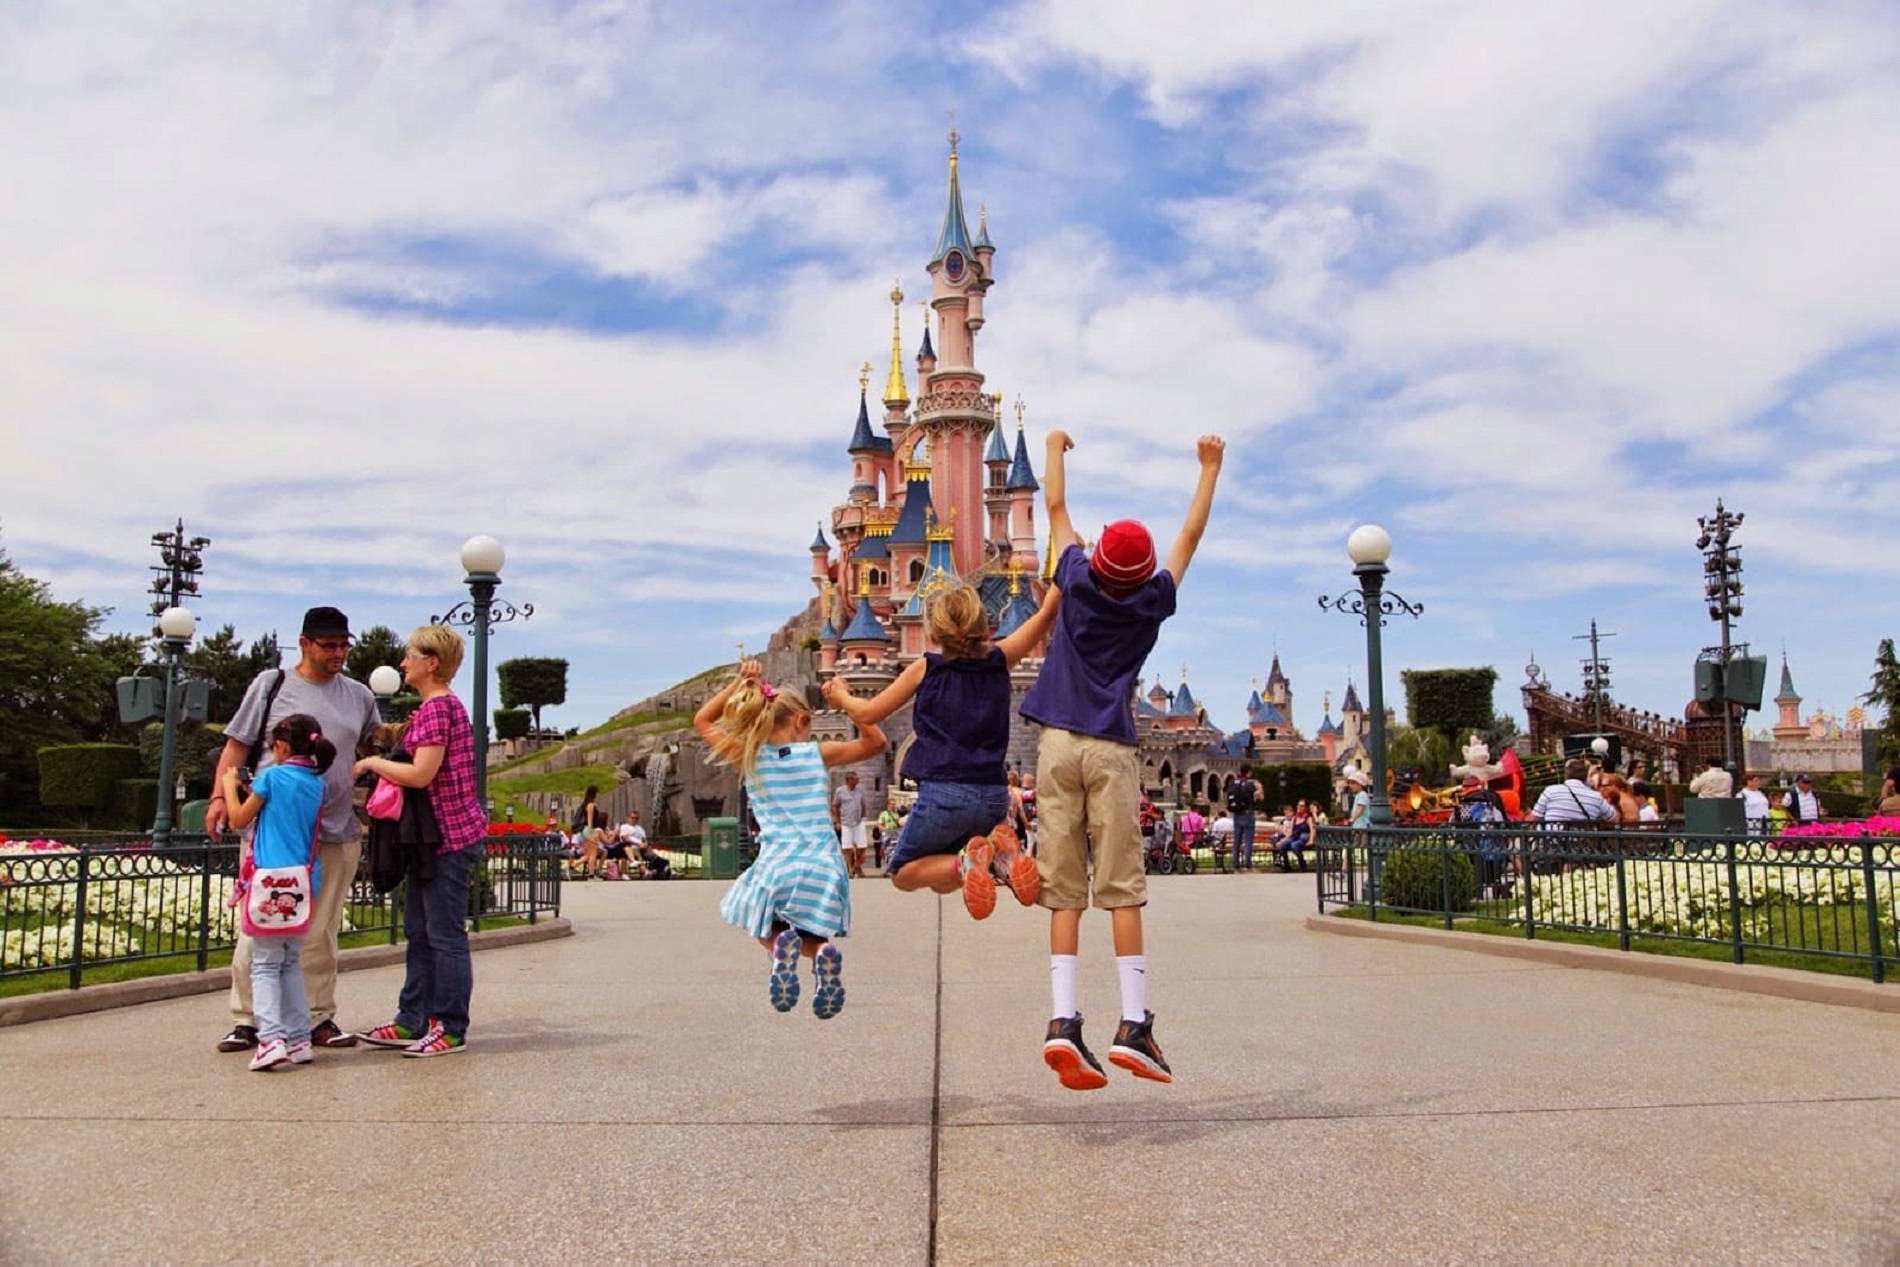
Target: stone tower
pixel 1788 726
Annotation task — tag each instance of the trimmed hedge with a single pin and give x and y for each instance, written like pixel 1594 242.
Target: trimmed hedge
pixel 195 752
pixel 1454 702
pixel 1305 780
pixel 512 723
pixel 82 775
pixel 134 802
pixel 1414 878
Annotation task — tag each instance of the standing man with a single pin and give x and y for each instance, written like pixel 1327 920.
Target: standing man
pixel 346 711
pixel 1800 801
pixel 1574 800
pixel 847 815
pixel 1240 803
pixel 1713 781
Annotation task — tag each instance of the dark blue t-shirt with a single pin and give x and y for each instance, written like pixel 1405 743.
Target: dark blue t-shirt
pixel 961 721
pixel 1097 650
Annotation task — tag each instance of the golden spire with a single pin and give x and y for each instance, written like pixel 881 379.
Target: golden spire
pixel 895 393
pixel 996 408
pixel 864 377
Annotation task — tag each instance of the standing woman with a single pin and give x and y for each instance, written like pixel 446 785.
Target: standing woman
pixel 592 822
pixel 432 1011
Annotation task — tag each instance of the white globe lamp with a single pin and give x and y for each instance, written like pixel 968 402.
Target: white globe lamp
pixel 384 680
pixel 1369 544
pixel 482 554
pixel 176 622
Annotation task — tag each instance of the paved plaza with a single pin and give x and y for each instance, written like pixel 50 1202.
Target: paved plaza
pixel 629 1096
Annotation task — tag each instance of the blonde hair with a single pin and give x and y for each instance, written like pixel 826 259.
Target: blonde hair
pixel 748 720
pixel 444 644
pixel 959 624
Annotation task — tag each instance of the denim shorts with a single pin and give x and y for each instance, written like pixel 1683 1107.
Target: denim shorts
pixel 945 817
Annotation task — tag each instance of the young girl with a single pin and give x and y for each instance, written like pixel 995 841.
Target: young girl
pixel 958 835
pixel 795 898
pixel 284 800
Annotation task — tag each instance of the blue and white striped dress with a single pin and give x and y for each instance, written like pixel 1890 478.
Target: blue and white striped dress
pixel 799 878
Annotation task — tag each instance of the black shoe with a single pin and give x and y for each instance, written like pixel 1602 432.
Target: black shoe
pixel 241 1038
pixel 1136 1051
pixel 330 1034
pixel 1065 1052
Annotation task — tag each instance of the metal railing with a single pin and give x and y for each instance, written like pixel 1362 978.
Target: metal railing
pixel 101 903
pixel 1828 897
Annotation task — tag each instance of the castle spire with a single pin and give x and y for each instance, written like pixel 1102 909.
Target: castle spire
pixel 955 234
pixel 895 393
pixel 982 227
pixel 862 438
pixel 925 352
pixel 1787 691
pixel 1020 474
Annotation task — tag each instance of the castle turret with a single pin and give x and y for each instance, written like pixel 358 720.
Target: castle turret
pixel 996 475
pixel 1020 486
pixel 1788 703
pixel 828 631
pixel 820 557
pixel 864 639
pixel 952 407
pixel 909 538
pixel 926 352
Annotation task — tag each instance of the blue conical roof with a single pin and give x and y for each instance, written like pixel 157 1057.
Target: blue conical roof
pixel 926 350
pixel 1183 704
pixel 955 234
pixel 872 547
pixel 1016 614
pixel 912 521
pixel 862 438
pixel 864 626
pixel 1268 714
pixel 827 633
pixel 1328 726
pixel 1253 703
pixel 998 451
pixel 818 542
pixel 1020 476
pixel 983 231
pixel 1351 703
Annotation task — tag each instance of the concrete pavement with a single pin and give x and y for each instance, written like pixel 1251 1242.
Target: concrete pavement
pixel 629 1096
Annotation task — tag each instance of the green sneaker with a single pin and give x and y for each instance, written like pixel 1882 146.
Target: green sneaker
pixel 390 1035
pixel 436 1042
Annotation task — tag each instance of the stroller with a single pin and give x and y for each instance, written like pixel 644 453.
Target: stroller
pixel 1164 852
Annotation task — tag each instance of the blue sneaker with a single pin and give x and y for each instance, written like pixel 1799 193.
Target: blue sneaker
pixel 782 985
pixel 827 968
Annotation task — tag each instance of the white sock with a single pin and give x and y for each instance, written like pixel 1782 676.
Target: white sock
pixel 1062 985
pixel 1133 971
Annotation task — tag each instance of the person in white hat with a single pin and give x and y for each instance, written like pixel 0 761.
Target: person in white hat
pixel 1361 809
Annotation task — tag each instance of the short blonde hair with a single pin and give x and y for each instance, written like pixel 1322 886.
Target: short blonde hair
pixel 444 644
pixel 959 624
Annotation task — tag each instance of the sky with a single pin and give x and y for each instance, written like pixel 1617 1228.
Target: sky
pixel 1531 286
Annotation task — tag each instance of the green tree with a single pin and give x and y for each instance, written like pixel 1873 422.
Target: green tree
pixel 1455 702
pixel 533 682
pixel 378 646
pixel 221 659
pixel 56 678
pixel 1421 748
pixel 1885 696
pixel 265 653
pixel 511 723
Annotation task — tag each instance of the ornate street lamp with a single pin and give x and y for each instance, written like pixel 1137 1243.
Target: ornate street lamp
pixel 384 682
pixel 175 627
pixel 482 557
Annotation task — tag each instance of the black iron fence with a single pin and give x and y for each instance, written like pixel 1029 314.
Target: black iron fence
pixel 1827 897
pixel 108 902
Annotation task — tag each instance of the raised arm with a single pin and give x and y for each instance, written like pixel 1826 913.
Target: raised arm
pixel 1212 449
pixel 868 744
pixel 706 720
pixel 869 712
pixel 1024 640
pixel 1055 494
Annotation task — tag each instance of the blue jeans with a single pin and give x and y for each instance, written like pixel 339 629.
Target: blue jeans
pixel 1243 840
pixel 945 817
pixel 440 976
pixel 278 1003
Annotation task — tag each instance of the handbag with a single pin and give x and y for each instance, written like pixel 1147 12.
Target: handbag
pixel 276 901
pixel 385 800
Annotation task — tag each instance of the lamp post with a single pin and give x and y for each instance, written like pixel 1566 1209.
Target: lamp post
pixel 1722 587
pixel 384 682
pixel 482 557
pixel 1369 547
pixel 175 627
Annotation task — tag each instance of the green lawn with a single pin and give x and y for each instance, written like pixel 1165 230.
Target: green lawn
pixel 60 978
pixel 1783 928
pixel 567 782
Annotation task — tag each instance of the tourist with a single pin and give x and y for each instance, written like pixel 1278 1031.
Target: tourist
pixel 1888 802
pixel 1113 604
pixel 1616 790
pixel 958 835
pixel 1802 802
pixel 1646 811
pixel 888 824
pixel 1754 804
pixel 432 1009
pixel 1359 810
pixel 345 710
pixel 284 801
pixel 1713 781
pixel 627 845
pixel 847 819
pixel 1298 834
pixel 1241 799
pixel 795 897
pixel 1193 825
pixel 1572 801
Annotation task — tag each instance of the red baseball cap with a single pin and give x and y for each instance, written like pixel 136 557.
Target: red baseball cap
pixel 1124 557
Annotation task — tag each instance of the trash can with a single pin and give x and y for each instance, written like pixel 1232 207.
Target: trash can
pixel 191 817
pixel 1713 816
pixel 719 848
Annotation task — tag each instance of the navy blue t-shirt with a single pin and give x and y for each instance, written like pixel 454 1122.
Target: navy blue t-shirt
pixel 961 721
pixel 1097 650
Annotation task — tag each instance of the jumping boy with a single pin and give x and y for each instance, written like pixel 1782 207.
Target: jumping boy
pixel 1088 787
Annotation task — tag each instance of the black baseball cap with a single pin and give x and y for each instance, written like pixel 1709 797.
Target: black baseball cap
pixel 1802 778
pixel 325 622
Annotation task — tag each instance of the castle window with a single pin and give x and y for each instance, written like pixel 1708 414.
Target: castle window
pixel 916 571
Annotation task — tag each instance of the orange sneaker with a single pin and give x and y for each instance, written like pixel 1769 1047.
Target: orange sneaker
pixel 979 886
pixel 1017 868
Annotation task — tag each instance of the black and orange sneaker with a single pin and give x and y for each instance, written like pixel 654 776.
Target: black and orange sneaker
pixel 1014 867
pixel 979 886
pixel 1065 1052
pixel 1136 1051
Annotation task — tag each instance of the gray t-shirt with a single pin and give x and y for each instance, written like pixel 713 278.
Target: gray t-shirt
pixel 345 710
pixel 850 803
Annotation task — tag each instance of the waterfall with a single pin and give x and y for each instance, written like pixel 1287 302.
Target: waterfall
pixel 658 766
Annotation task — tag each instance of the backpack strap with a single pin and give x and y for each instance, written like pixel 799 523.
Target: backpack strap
pixel 263 724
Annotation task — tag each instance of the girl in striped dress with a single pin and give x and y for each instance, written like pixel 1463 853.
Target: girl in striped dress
pixel 795 898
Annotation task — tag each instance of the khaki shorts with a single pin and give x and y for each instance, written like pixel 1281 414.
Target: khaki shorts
pixel 1088 811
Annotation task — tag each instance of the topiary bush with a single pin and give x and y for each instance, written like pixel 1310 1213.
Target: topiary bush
pixel 134 803
pixel 512 723
pixel 82 775
pixel 1413 878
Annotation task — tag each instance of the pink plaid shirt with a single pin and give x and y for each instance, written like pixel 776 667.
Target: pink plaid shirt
pixel 443 722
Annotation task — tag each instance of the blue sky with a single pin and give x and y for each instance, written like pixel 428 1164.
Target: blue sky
pixel 1531 287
